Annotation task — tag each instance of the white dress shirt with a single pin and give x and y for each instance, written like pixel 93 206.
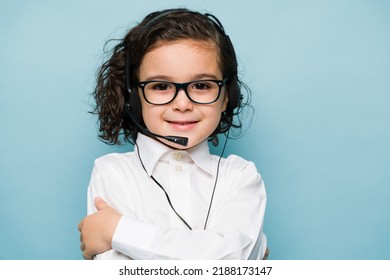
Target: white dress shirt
pixel 149 228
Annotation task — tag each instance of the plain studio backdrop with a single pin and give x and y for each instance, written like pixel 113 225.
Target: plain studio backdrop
pixel 320 76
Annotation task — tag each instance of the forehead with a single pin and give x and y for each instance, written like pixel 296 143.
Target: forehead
pixel 180 58
pixel 202 44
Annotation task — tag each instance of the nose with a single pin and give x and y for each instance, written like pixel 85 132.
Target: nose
pixel 182 102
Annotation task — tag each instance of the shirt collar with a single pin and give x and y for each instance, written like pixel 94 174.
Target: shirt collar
pixel 200 154
pixel 151 151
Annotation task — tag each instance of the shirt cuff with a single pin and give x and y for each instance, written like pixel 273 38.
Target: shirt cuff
pixel 133 238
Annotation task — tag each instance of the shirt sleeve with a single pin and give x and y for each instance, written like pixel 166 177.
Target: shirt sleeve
pixel 114 197
pixel 234 229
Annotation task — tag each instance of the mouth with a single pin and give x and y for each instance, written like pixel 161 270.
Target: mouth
pixel 182 122
pixel 182 125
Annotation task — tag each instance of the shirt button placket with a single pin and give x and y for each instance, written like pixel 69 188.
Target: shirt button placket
pixel 180 189
pixel 178 156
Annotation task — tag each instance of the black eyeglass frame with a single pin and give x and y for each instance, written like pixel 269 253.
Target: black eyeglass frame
pixel 183 86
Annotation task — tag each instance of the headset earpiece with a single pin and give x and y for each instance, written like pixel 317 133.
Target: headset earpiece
pixel 133 106
pixel 136 106
pixel 234 95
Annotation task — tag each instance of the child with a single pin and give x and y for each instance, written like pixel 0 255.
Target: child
pixel 170 86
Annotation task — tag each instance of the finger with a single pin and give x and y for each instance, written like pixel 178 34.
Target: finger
pixel 80 225
pixel 87 255
pixel 100 203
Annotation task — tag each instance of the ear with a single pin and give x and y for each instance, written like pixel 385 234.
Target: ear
pixel 225 102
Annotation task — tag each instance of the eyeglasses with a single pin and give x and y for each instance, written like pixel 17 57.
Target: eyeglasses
pixel 200 91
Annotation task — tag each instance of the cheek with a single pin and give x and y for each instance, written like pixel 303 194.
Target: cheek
pixel 152 115
pixel 147 116
pixel 147 111
pixel 215 115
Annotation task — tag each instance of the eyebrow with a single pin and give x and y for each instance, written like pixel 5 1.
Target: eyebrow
pixel 203 76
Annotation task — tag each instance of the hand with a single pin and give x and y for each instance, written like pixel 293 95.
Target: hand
pixel 96 230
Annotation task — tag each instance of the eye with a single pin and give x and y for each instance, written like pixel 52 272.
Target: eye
pixel 201 85
pixel 161 86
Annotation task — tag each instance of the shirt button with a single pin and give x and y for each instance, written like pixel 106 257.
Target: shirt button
pixel 178 168
pixel 178 156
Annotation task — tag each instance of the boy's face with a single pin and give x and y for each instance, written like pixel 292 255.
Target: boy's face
pixel 182 61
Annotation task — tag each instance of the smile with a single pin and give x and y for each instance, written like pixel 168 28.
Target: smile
pixel 182 123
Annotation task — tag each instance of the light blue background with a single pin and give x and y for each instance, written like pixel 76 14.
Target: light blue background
pixel 320 76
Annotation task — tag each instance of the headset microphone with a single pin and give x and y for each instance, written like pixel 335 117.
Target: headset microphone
pixel 183 141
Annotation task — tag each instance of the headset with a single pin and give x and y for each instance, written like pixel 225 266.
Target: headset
pixel 132 108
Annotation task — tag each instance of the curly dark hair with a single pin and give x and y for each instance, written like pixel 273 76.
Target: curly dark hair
pixel 111 94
